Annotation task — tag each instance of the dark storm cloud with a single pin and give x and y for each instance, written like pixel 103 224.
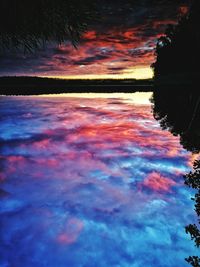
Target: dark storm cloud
pixel 132 13
pixel 139 52
pixel 90 60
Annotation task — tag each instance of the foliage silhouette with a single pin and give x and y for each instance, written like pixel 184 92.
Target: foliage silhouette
pixel 30 24
pixel 178 51
pixel 192 179
pixel 194 261
pixel 179 112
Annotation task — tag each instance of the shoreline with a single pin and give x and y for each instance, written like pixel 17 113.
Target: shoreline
pixel 74 89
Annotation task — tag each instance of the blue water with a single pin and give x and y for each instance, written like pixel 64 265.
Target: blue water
pixel 91 182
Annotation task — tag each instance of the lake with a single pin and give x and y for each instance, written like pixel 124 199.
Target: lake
pixel 91 180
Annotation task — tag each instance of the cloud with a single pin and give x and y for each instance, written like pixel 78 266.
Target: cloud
pixel 156 182
pixel 91 180
pixel 91 60
pixel 124 37
pixel 71 231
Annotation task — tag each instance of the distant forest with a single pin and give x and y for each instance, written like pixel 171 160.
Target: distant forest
pixel 39 85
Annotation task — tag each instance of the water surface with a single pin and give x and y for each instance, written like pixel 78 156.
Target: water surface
pixel 90 181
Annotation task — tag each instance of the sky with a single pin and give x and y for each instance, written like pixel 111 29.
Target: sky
pixel 91 183
pixel 121 44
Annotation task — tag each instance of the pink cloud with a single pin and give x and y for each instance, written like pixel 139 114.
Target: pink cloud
pixel 72 231
pixel 156 182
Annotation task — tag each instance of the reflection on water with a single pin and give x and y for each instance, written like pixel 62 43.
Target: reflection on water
pixel 179 112
pixel 91 182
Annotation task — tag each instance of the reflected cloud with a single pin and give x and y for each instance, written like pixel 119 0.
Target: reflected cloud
pixel 155 181
pixel 92 181
pixel 71 232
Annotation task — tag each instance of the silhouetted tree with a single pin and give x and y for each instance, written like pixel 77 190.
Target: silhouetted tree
pixel 194 261
pixel 192 179
pixel 178 50
pixel 31 23
pixel 179 112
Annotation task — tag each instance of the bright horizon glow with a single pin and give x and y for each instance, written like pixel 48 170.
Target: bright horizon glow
pixel 130 73
pixel 142 98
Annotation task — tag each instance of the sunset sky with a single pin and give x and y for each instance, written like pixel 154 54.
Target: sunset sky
pixel 120 45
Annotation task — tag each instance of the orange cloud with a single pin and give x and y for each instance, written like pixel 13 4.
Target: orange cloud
pixel 118 53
